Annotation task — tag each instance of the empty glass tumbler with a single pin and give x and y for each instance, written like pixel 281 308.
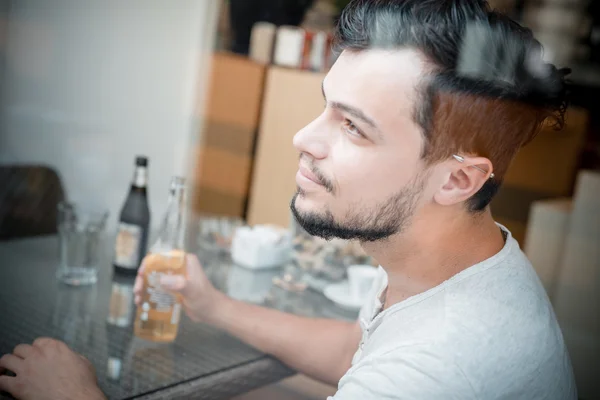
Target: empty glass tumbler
pixel 81 243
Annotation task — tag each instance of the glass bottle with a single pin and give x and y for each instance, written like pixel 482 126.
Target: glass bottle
pixel 157 317
pixel 134 222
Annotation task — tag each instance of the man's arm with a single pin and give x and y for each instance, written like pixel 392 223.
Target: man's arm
pixel 320 348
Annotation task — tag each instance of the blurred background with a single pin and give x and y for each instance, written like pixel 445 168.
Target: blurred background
pixel 214 90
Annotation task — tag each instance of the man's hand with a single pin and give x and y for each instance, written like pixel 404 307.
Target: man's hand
pixel 48 369
pixel 200 298
pixel 319 348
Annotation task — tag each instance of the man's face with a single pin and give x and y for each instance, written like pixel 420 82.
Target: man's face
pixel 360 172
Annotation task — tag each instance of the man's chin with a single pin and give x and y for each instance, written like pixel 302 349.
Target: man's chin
pixel 322 224
pixel 313 220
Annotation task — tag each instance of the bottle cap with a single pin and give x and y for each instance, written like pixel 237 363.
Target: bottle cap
pixel 141 161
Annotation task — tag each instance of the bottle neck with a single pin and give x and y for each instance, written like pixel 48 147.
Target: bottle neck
pixel 140 177
pixel 172 231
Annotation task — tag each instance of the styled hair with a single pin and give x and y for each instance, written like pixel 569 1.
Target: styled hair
pixel 488 91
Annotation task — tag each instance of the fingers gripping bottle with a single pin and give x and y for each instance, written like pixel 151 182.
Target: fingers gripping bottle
pixel 158 314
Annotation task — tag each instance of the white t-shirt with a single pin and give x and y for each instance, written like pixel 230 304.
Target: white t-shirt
pixel 487 333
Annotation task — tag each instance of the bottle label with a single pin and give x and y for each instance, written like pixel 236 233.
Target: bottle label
pixel 121 305
pixel 128 245
pixel 158 300
pixel 161 301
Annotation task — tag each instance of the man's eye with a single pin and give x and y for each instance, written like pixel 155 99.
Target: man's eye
pixel 351 129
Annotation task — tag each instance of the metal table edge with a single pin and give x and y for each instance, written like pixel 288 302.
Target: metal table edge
pixel 227 383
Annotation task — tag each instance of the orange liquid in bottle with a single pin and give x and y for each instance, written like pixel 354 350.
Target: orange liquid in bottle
pixel 158 314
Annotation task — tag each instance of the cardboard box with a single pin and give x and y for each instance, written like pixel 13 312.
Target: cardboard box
pixel 228 133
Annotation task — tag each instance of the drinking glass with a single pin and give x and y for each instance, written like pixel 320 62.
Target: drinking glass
pixel 81 241
pixel 72 318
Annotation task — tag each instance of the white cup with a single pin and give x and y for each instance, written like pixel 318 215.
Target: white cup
pixel 289 46
pixel 360 279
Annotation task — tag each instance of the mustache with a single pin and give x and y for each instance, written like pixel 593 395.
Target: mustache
pixel 323 180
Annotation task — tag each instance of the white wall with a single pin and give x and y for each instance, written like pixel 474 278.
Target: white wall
pixel 91 83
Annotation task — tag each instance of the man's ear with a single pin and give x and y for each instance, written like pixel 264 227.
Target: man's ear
pixel 467 176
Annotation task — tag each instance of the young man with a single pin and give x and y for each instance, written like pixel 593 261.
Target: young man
pixel 416 135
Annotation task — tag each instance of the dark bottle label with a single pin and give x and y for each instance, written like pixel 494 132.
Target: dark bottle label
pixel 128 245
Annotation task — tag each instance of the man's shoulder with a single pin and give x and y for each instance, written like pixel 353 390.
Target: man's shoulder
pixel 501 293
pixel 500 303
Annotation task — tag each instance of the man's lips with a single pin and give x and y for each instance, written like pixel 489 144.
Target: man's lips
pixel 308 174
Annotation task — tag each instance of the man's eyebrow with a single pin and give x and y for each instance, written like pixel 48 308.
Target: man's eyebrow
pixel 355 112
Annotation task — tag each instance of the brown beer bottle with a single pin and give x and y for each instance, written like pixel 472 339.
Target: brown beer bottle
pixel 157 317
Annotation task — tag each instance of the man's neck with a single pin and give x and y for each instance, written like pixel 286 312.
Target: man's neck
pixel 434 248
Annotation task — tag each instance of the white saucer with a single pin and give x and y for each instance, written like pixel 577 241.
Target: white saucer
pixel 339 293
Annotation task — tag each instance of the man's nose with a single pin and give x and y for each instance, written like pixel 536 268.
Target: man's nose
pixel 313 139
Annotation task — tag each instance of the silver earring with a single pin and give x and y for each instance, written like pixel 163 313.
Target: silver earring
pixel 461 159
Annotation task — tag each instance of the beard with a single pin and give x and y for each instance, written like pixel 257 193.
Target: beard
pixel 371 224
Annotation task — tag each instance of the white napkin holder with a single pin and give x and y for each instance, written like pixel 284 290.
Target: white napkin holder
pixel 261 247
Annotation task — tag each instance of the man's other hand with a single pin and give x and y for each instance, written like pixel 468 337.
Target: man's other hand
pixel 48 369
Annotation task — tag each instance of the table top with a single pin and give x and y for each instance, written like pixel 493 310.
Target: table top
pixel 202 360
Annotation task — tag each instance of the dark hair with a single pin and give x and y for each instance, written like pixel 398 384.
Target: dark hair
pixel 489 91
